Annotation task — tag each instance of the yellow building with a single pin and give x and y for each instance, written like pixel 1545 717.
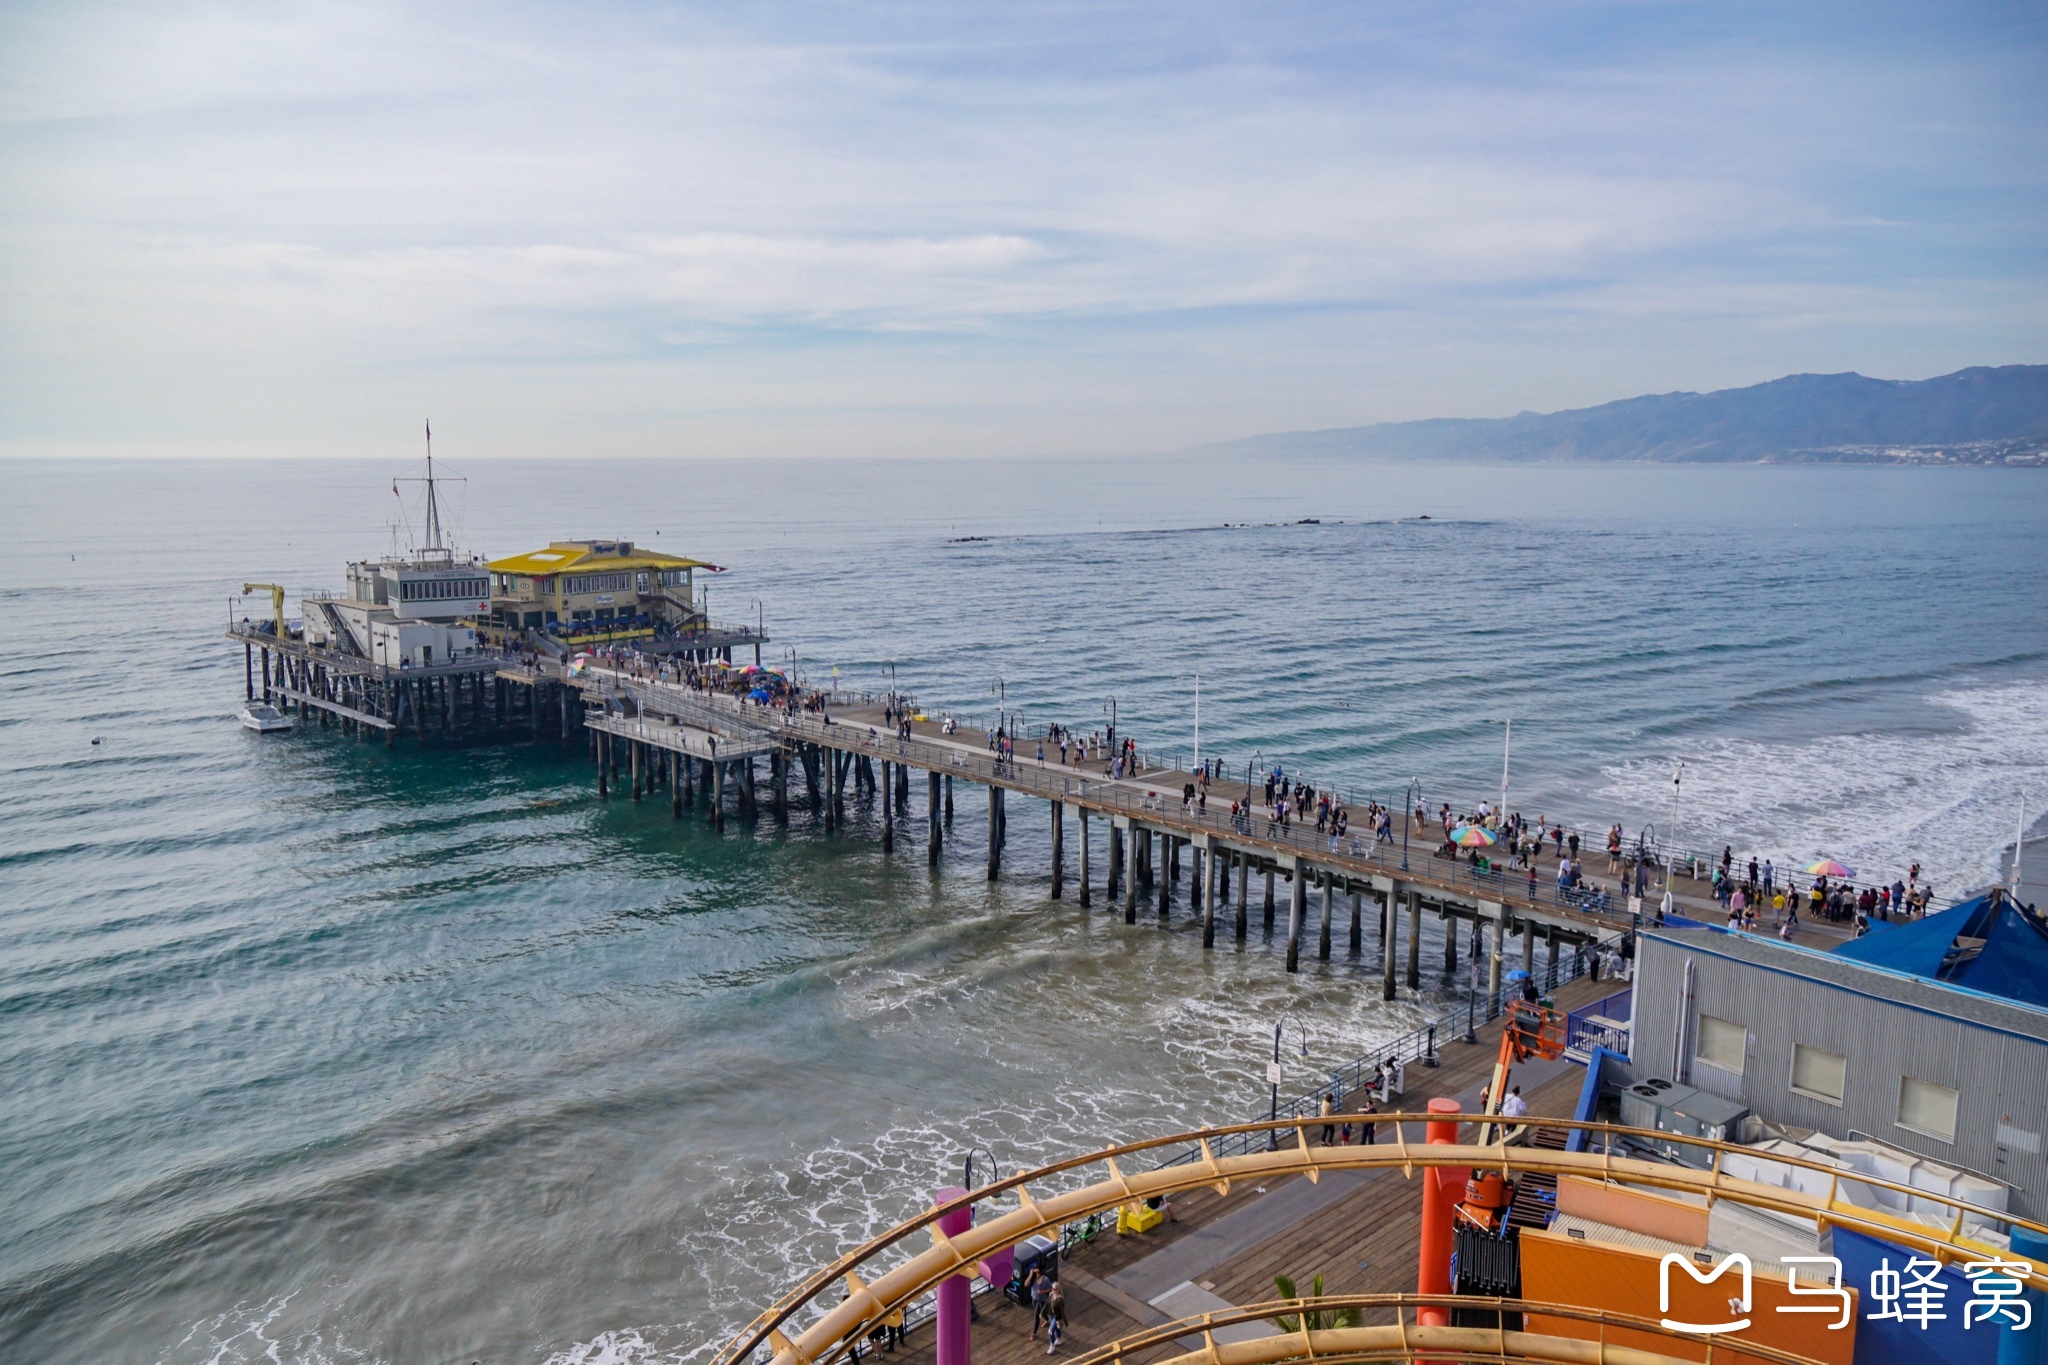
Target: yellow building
pixel 596 585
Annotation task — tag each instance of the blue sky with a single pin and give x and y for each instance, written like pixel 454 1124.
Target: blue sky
pixel 864 229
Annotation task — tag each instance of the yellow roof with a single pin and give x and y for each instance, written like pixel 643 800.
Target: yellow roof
pixel 582 556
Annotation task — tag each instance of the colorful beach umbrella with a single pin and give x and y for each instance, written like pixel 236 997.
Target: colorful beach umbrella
pixel 1828 867
pixel 1473 836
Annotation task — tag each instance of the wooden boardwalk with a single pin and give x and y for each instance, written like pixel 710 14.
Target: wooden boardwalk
pixel 1323 879
pixel 1363 1238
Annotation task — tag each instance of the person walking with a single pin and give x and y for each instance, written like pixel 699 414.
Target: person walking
pixel 1328 1108
pixel 1055 1318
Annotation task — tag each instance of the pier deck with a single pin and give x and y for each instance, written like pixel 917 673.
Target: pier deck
pixel 1328 881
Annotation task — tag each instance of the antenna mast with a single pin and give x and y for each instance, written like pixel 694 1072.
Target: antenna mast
pixel 433 506
pixel 436 544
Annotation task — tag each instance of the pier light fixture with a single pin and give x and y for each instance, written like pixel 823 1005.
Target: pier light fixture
pixel 1273 1071
pixel 1109 709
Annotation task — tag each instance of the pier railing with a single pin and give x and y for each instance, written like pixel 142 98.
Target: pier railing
pixel 1053 780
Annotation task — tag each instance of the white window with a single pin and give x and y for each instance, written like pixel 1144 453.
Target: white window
pixel 1721 1043
pixel 1818 1074
pixel 1927 1108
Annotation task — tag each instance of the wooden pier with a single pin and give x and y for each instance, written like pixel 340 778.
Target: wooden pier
pixel 648 735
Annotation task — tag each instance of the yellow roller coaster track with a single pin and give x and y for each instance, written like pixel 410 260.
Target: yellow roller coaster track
pixel 1409 1340
pixel 865 1304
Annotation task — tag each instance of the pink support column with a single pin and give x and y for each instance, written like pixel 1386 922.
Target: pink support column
pixel 956 1293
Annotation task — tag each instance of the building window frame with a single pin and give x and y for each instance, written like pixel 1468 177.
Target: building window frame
pixel 1954 1108
pixel 1792 1081
pixel 1723 1031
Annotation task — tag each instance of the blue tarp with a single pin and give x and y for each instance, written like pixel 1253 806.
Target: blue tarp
pixel 2013 962
pixel 1919 947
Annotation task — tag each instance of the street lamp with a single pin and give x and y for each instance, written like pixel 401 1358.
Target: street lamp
pixel 1506 744
pixel 1273 1073
pixel 1408 817
pixel 1002 691
pixel 1109 707
pixel 889 670
pixel 1671 860
pixel 1645 837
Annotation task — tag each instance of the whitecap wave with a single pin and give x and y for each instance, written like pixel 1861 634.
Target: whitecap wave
pixel 1878 801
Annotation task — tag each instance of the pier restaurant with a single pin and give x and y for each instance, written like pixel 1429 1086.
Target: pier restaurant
pixel 594 582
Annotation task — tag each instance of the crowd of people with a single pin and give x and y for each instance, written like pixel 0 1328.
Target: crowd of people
pixel 1754 895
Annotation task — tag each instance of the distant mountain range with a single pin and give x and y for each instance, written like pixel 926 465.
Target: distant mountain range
pixel 1982 415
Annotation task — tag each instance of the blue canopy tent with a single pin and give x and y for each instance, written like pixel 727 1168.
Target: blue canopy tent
pixel 1987 944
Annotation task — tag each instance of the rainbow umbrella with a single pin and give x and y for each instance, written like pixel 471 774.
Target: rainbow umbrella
pixel 1473 836
pixel 1828 867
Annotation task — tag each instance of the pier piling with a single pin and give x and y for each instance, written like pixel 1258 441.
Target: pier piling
pixel 1414 939
pixel 1059 842
pixel 1297 907
pixel 1390 917
pixel 1082 817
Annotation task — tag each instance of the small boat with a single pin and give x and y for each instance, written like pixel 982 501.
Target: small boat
pixel 263 717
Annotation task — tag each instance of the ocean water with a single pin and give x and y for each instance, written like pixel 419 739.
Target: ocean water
pixel 317 1052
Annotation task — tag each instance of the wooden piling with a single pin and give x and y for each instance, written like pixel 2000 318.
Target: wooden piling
pixel 1357 925
pixel 888 809
pixel 1131 874
pixel 1209 889
pixel 933 836
pixel 1390 919
pixel 1329 910
pixel 1244 879
pixel 1297 908
pixel 1269 898
pixel 1059 845
pixel 995 830
pixel 1414 940
pixel 1082 816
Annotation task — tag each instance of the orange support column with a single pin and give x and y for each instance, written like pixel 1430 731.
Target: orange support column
pixel 1440 1186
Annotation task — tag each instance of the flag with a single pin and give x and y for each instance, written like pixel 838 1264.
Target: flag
pixel 430 430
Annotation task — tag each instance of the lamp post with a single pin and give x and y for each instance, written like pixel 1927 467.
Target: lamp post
pixel 1671 860
pixel 1002 695
pixel 1109 708
pixel 2019 844
pixel 1273 1073
pixel 1414 794
pixel 1506 745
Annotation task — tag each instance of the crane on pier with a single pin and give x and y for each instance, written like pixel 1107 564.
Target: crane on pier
pixel 276 602
pixel 1531 1031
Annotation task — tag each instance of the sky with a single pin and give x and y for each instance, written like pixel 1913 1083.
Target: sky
pixel 868 229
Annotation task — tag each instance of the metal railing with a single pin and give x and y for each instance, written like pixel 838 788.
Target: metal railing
pixel 1418 1046
pixel 1584 1028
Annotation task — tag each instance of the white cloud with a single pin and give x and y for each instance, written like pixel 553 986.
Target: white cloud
pixel 197 199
